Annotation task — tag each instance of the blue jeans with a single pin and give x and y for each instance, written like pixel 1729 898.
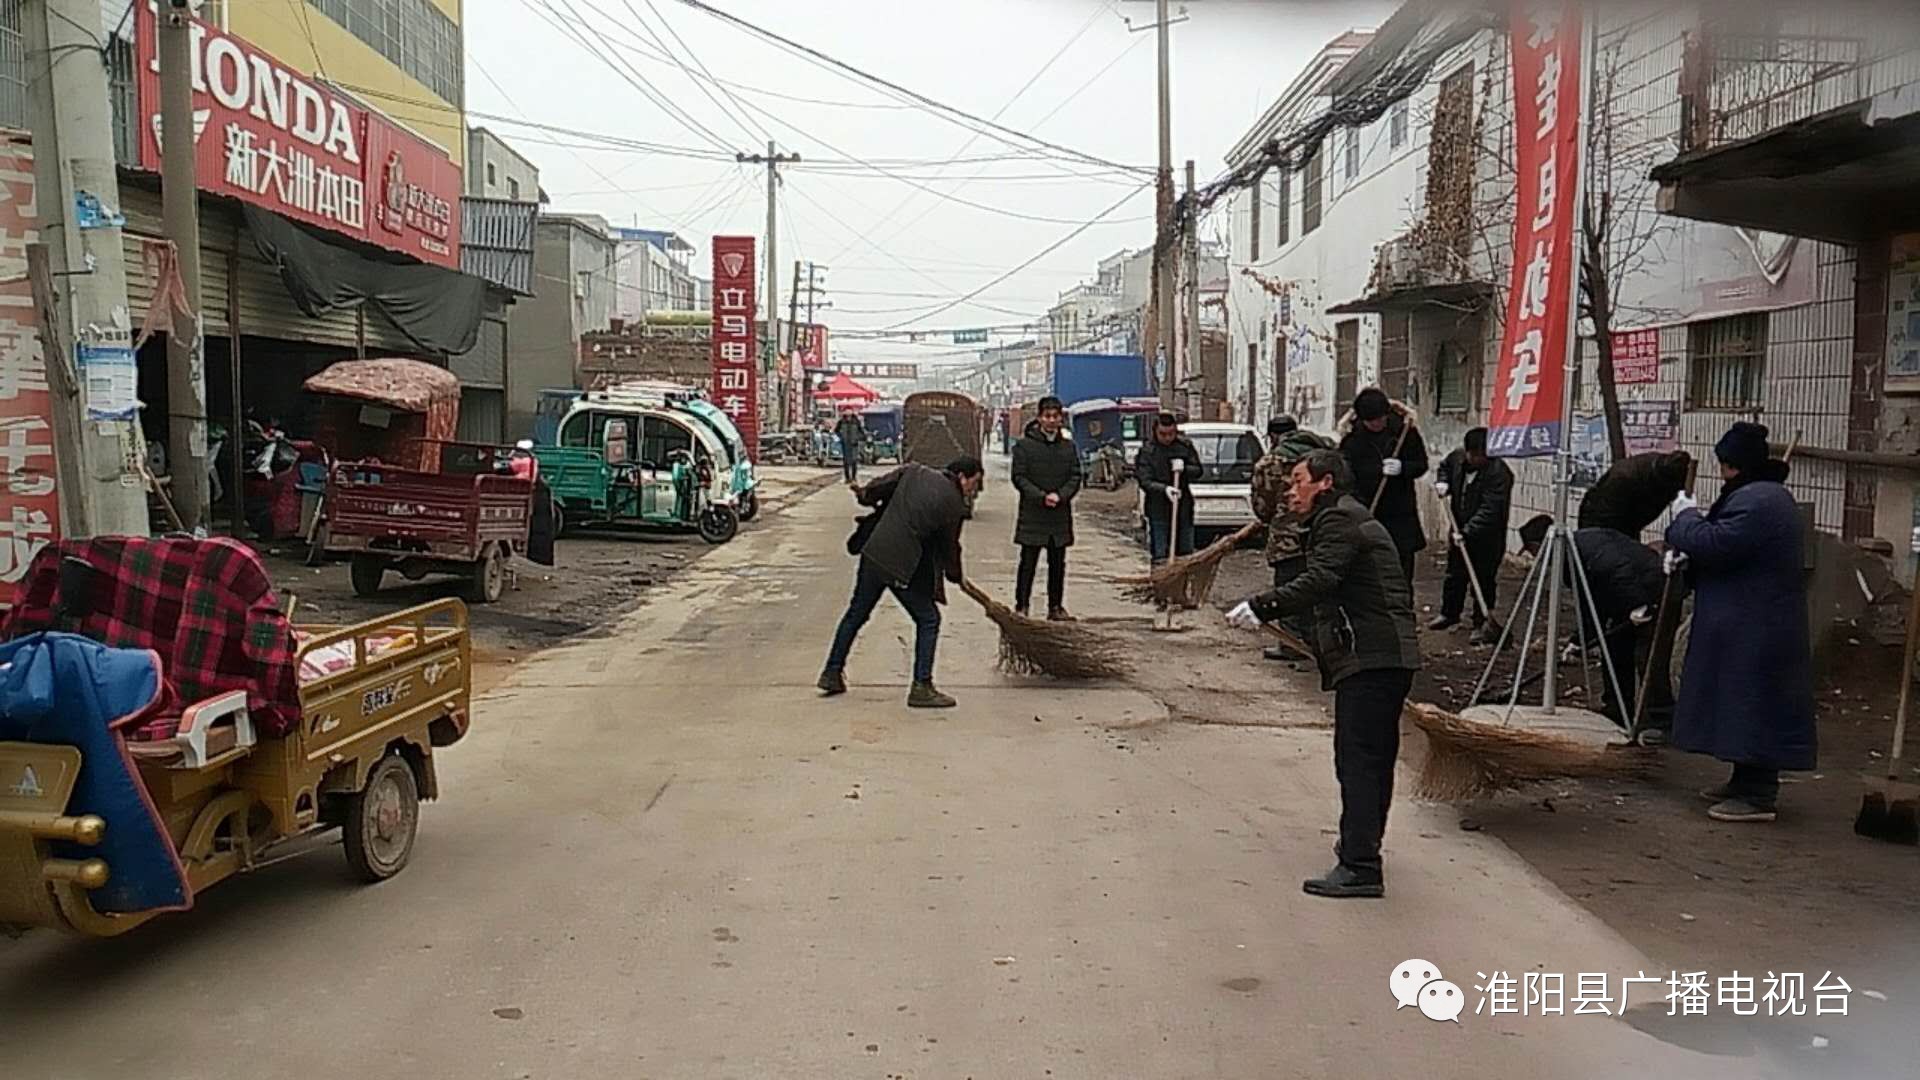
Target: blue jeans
pixel 916 597
pixel 1160 534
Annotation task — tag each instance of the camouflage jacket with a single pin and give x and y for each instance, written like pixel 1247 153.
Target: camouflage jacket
pixel 1286 534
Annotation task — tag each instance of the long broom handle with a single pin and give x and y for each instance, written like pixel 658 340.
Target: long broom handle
pixel 1906 687
pixel 1460 541
pixel 1397 444
pixel 1660 638
pixel 1290 641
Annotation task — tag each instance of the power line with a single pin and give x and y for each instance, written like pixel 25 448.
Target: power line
pixel 851 71
pixel 577 31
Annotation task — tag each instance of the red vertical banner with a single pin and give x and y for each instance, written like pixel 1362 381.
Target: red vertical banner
pixel 1526 418
pixel 736 372
pixel 30 510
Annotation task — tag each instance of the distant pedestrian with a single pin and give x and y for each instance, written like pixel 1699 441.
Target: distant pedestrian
pixel 1364 635
pixel 1635 491
pixel 1046 473
pixel 853 440
pixel 1627 581
pixel 1479 492
pixel 1746 694
pixel 1384 449
pixel 1168 488
pixel 907 547
pixel 1287 443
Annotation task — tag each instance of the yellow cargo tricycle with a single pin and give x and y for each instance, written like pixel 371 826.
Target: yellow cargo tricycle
pixel 163 726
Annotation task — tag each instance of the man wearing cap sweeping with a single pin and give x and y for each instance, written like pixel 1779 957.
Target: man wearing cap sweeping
pixel 1287 443
pixel 1385 465
pixel 1746 694
pixel 1479 491
pixel 1167 467
pixel 1367 647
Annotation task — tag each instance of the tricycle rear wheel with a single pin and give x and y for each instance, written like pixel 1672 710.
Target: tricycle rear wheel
pixel 489 581
pixel 366 572
pixel 749 504
pixel 383 819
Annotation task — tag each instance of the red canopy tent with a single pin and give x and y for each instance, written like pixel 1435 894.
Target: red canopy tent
pixel 844 393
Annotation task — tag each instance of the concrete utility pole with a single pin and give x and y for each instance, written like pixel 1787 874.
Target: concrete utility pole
pixel 180 218
pixel 1192 340
pixel 86 276
pixel 1161 312
pixel 773 159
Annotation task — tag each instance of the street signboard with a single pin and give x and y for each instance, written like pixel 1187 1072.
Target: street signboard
pixel 736 375
pixel 969 337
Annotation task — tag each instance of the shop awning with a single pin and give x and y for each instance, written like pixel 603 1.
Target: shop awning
pixel 844 392
pixel 1460 295
pixel 1846 176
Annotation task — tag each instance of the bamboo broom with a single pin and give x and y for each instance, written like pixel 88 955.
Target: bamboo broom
pixel 1057 649
pixel 1467 759
pixel 1186 581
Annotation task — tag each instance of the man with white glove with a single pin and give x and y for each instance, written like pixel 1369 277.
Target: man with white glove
pixel 1673 562
pixel 1682 503
pixel 1441 488
pixel 1243 618
pixel 1366 645
pixel 1386 454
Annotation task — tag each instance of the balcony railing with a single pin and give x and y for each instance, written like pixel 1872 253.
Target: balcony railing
pixel 1740 83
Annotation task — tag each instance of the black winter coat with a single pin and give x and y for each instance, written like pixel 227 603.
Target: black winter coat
pixel 1633 493
pixel 1625 573
pixel 921 513
pixel 1481 499
pixel 850 431
pixel 1353 586
pixel 1153 469
pixel 1746 695
pixel 1043 466
pixel 1365 452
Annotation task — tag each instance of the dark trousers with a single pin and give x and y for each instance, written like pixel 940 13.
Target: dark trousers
pixel 1164 538
pixel 1056 576
pixel 1366 741
pixel 1459 587
pixel 916 597
pixel 1756 785
pixel 1628 647
pixel 849 460
pixel 1407 557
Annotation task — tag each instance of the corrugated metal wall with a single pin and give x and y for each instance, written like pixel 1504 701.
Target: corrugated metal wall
pixel 217 237
pixel 483 415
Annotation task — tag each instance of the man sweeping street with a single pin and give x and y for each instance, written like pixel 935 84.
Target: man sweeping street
pixel 1166 468
pixel 1287 443
pixel 1046 473
pixel 1746 693
pixel 906 547
pixel 853 440
pixel 1635 491
pixel 1363 632
pixel 1386 454
pixel 1479 493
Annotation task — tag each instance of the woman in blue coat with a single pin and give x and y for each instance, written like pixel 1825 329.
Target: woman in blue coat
pixel 1746 696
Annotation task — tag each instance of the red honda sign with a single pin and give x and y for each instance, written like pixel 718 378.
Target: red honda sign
pixel 736 363
pixel 1526 417
pixel 270 136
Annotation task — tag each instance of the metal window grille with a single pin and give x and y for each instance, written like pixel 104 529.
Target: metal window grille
pixel 1310 187
pixel 414 35
pixel 1451 392
pixel 13 66
pixel 1726 363
pixel 1346 361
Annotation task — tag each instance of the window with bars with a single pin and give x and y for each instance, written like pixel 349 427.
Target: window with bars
pixel 1452 391
pixel 1283 217
pixel 1346 362
pixel 1310 191
pixel 414 35
pixel 1397 124
pixel 1726 363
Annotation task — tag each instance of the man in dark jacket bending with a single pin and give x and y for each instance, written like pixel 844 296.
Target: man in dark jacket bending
pixel 1046 473
pixel 1627 583
pixel 1364 637
pixel 914 542
pixel 1479 492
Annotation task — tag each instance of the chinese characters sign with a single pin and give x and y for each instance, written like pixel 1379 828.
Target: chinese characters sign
pixel 30 510
pixel 1526 418
pixel 736 374
pixel 1636 357
pixel 269 136
pixel 1651 426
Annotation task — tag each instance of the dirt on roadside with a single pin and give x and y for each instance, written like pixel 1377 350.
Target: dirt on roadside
pixel 1802 894
pixel 596 578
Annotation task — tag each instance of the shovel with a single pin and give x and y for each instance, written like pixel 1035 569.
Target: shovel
pixel 1890 810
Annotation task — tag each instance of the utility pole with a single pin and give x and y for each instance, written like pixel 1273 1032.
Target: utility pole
pixel 83 295
pixel 793 349
pixel 1192 339
pixel 180 219
pixel 1162 344
pixel 772 159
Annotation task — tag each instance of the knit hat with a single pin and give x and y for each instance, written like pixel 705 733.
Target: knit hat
pixel 1282 425
pixel 1744 446
pixel 1372 404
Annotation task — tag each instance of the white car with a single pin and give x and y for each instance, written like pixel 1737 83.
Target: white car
pixel 1223 493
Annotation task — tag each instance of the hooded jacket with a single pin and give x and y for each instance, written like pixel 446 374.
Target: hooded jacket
pixel 1043 466
pixel 1366 453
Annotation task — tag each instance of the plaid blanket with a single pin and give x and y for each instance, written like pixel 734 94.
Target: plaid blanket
pixel 206 606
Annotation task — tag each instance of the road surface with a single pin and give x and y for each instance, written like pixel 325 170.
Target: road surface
pixel 660 855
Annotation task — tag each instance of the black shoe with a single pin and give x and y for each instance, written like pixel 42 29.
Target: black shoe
pixel 1021 610
pixel 1345 883
pixel 832 683
pixel 1486 633
pixel 924 696
pixel 1444 622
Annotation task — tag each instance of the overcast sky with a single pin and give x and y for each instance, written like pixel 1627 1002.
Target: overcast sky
pixel 1067 71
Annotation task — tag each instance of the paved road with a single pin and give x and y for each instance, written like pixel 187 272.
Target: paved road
pixel 659 855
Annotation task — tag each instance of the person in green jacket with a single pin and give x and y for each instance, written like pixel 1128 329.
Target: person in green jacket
pixel 1287 443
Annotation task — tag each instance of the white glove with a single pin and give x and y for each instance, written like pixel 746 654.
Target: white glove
pixel 1672 562
pixel 1641 615
pixel 1682 503
pixel 1440 487
pixel 1392 466
pixel 1454 537
pixel 1243 617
